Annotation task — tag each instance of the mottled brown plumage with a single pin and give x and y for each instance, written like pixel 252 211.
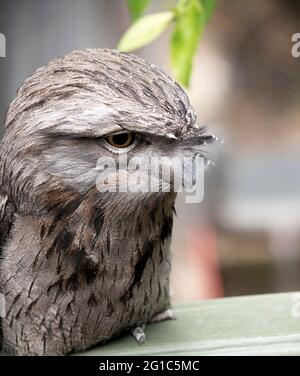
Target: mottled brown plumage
pixel 80 266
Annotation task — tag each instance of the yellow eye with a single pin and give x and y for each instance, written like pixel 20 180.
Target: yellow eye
pixel 120 140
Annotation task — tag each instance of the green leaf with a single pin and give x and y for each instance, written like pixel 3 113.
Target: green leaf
pixel 136 8
pixel 144 31
pixel 191 17
pixel 208 6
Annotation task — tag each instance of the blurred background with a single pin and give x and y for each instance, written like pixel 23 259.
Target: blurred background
pixel 244 238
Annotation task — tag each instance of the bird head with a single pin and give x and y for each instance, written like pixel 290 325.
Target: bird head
pixel 78 114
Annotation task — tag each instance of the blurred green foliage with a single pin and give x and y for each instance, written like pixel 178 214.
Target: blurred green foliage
pixel 136 8
pixel 145 30
pixel 187 18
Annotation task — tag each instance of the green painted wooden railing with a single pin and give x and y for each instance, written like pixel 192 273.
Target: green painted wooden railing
pixel 250 325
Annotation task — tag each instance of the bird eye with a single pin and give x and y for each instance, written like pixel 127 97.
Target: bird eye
pixel 120 140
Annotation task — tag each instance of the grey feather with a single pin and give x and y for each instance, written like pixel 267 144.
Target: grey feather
pixel 79 266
